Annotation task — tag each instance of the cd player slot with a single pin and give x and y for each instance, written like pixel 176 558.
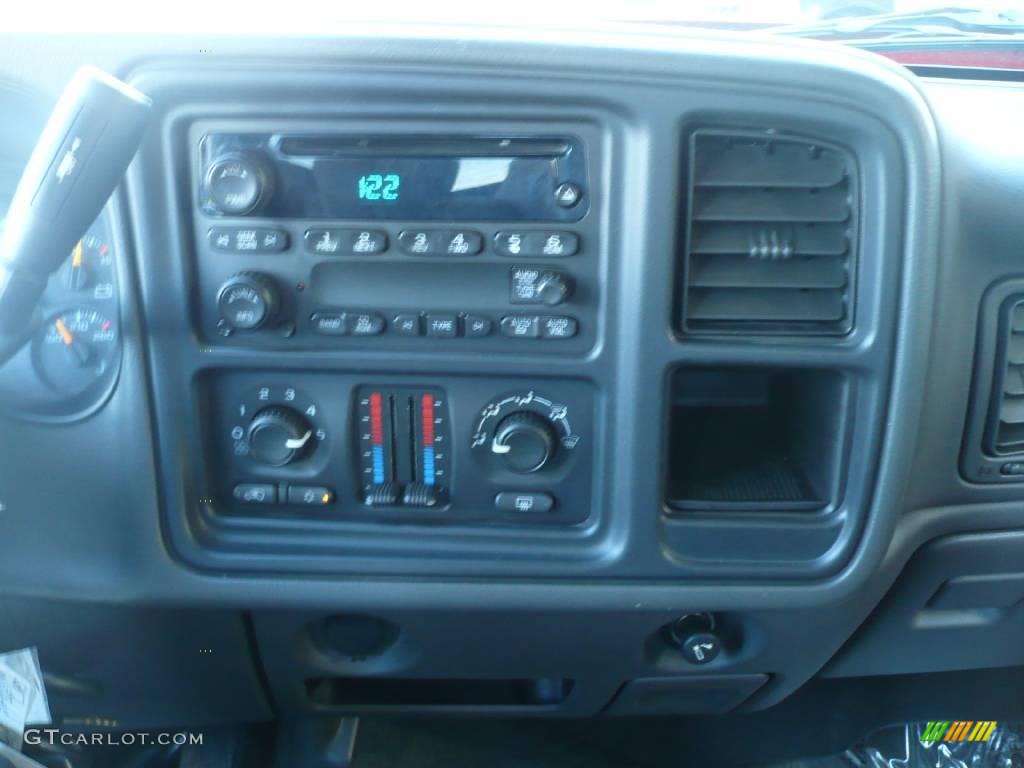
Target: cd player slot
pixel 419 146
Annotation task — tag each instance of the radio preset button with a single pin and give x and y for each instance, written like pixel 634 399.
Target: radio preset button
pixel 537 243
pixel 329 323
pixel 326 242
pixel 445 242
pixel 248 239
pixel 350 242
pixel 420 242
pixel 477 326
pixel 364 324
pixel 407 325
pixel 363 242
pixel 521 326
pixel 460 242
pixel 442 326
pixel 558 327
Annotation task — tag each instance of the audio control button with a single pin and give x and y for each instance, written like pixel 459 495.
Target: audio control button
pixel 364 324
pixel 248 301
pixel 239 183
pixel 530 285
pixel 329 323
pixel 442 326
pixel 248 239
pixel 477 326
pixel 520 326
pixel 407 325
pixel 558 327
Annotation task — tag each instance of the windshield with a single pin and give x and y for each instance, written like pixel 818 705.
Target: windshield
pixel 859 22
pixel 794 12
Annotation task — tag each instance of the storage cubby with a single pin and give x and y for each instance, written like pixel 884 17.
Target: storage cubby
pixel 753 439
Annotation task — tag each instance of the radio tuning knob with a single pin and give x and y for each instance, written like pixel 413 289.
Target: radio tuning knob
pixel 278 435
pixel 553 288
pixel 525 440
pixel 248 301
pixel 239 183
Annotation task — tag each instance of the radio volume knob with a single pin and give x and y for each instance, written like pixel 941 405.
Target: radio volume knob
pixel 525 440
pixel 248 301
pixel 239 183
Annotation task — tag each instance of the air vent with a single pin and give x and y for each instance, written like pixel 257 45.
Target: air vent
pixel 770 235
pixel 1007 432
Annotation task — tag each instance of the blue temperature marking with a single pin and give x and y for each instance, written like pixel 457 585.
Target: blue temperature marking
pixel 428 465
pixel 378 464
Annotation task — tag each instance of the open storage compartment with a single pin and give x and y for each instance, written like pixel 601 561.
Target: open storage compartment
pixel 755 439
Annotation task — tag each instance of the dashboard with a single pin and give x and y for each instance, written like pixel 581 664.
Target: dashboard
pixel 515 377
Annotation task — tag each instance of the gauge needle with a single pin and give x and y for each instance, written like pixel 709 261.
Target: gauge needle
pixel 81 354
pixel 76 255
pixel 65 334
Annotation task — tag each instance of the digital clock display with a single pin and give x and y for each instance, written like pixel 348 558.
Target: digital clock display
pixel 422 181
pixel 383 187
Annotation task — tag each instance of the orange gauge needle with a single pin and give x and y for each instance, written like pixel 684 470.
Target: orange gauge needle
pixel 65 334
pixel 76 255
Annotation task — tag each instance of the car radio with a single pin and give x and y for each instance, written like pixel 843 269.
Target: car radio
pixel 331 240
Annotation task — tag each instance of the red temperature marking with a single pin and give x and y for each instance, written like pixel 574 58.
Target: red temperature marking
pixel 427 409
pixel 376 419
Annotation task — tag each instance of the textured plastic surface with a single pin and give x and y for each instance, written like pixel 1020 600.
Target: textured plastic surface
pixel 956 606
pixel 751 439
pixel 113 542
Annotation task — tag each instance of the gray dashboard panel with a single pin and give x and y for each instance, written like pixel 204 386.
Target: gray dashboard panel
pixel 120 553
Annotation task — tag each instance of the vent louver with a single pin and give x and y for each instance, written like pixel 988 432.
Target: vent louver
pixel 1008 432
pixel 771 232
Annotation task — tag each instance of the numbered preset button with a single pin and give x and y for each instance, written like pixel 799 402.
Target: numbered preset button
pixel 441 242
pixel 346 242
pixel 536 243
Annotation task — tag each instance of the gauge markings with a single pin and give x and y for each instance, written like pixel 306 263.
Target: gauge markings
pixel 76 350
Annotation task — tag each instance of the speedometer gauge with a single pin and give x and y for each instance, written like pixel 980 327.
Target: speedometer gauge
pixel 76 349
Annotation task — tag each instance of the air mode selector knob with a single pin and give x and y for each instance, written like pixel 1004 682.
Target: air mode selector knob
pixel 525 440
pixel 278 436
pixel 239 183
pixel 248 301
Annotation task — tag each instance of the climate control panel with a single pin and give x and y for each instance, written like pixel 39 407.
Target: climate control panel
pixel 403 446
pixel 344 448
